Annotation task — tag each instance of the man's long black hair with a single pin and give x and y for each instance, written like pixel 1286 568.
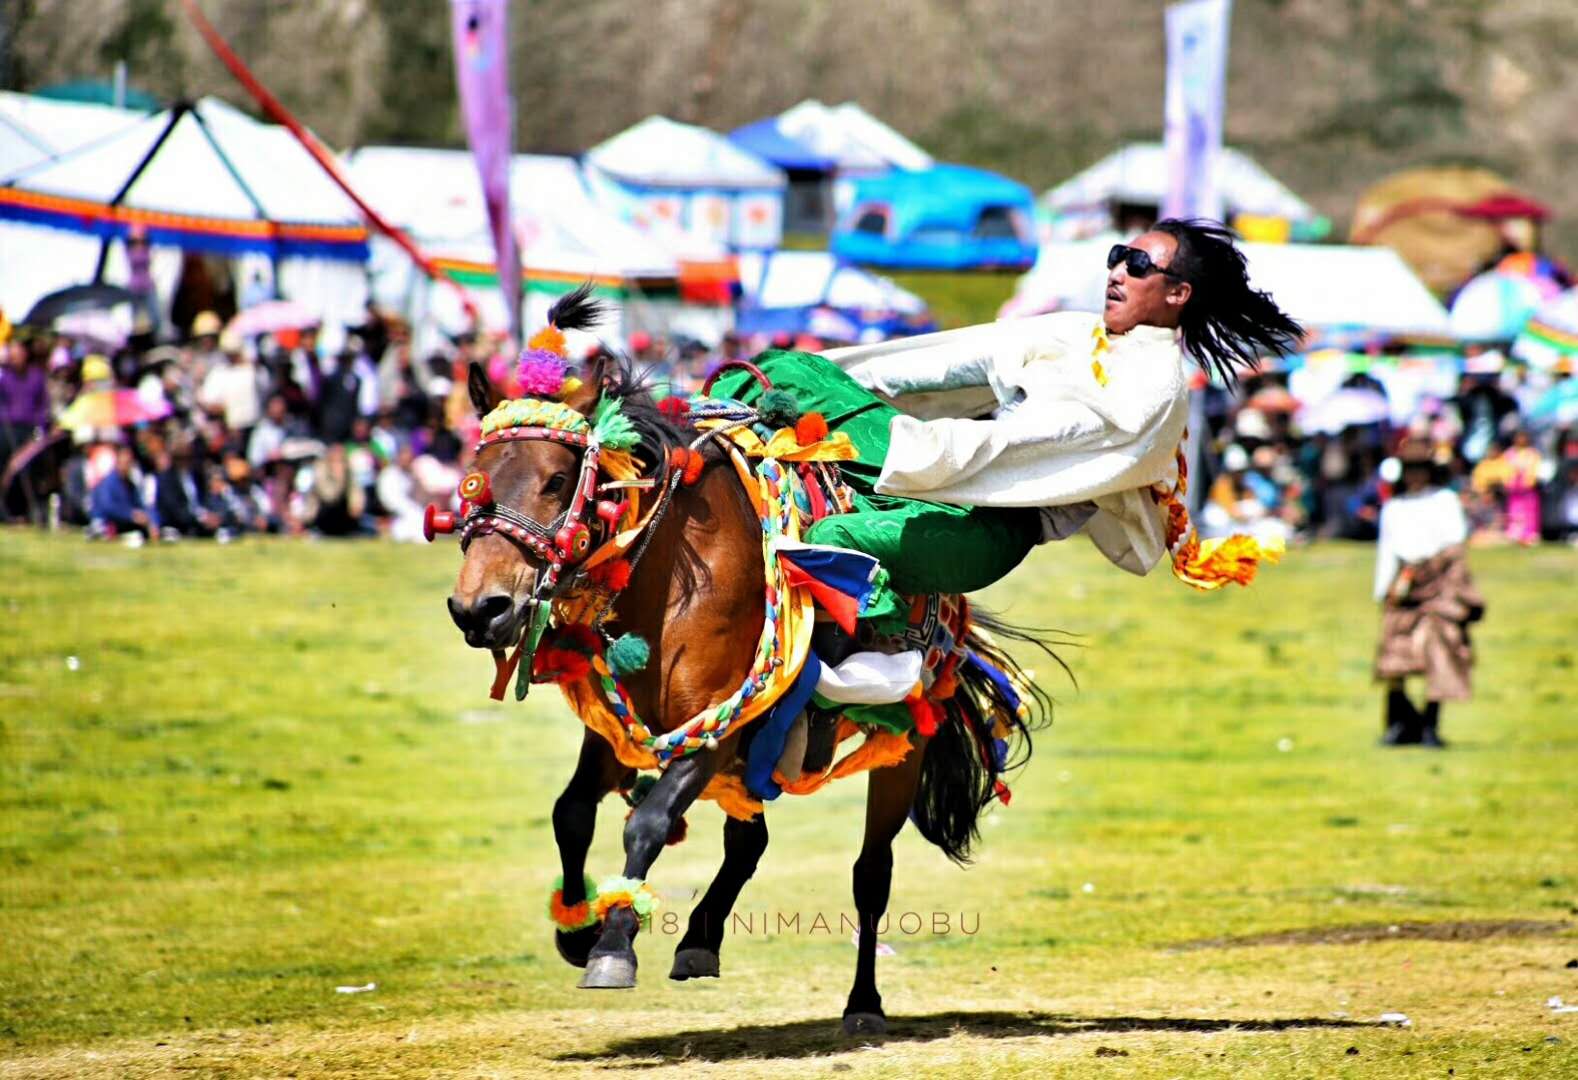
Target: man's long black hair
pixel 1227 326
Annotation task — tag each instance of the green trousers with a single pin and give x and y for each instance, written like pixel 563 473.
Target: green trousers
pixel 925 547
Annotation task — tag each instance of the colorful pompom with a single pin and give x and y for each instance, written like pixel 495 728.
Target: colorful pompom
pixel 689 462
pixel 541 373
pixel 810 429
pixel 549 339
pixel 572 917
pixel 612 575
pixel 675 407
pixel 627 655
pixel 778 408
pixel 560 666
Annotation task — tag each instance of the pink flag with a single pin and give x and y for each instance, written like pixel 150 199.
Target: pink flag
pixel 482 75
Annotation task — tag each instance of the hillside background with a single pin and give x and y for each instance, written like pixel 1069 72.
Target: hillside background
pixel 1329 94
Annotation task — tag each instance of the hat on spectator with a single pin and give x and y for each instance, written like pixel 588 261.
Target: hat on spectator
pixel 96 368
pixel 640 340
pixel 206 324
pixel 1235 458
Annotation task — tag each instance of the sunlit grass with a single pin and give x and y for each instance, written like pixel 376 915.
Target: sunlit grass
pixel 234 779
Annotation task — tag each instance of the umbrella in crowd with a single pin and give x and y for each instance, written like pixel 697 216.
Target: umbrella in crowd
pixel 271 317
pixel 1550 339
pixel 111 408
pixel 1494 306
pixel 1352 406
pixel 77 298
pixel 1557 406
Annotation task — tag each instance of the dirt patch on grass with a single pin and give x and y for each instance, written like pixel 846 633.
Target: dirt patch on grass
pixel 1364 933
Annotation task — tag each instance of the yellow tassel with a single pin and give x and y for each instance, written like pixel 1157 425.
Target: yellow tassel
pixel 1210 564
pixel 1100 372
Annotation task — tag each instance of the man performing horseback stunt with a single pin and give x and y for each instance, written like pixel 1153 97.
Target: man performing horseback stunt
pixel 729 587
pixel 1087 416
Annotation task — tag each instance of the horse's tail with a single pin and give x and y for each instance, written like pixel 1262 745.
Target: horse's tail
pixel 983 734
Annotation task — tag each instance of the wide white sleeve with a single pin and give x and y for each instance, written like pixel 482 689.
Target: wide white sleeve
pixel 1387 562
pixel 924 455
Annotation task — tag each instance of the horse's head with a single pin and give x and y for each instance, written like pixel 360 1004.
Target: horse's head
pixel 527 480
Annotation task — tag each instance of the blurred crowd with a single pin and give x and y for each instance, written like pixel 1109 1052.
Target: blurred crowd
pixel 222 436
pixel 1517 479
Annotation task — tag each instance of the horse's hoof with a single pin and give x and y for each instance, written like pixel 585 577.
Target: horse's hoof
pixel 609 972
pixel 576 945
pixel 864 1023
pixel 694 964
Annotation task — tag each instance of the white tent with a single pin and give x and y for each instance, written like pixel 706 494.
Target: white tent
pixel 204 178
pixel 564 235
pixel 1137 175
pixel 1325 287
pixel 35 129
pixel 692 178
pixel 793 279
pixel 851 137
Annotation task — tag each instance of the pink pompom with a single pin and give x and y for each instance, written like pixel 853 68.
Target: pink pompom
pixel 541 373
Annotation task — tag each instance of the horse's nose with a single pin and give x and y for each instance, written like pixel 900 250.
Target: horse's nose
pixel 483 618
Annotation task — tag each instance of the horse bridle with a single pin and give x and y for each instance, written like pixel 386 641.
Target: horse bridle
pixel 559 543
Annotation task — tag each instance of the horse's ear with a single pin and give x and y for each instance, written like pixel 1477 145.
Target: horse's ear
pixel 484 395
pixel 594 380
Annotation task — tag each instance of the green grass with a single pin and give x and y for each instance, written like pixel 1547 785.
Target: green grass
pixel 274 771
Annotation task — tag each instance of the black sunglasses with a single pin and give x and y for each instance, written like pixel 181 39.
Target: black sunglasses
pixel 1137 261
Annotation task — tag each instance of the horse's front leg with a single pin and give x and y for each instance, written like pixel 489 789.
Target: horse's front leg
pixel 697 953
pixel 597 772
pixel 612 964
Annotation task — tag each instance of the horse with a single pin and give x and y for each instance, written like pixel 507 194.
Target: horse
pixel 697 596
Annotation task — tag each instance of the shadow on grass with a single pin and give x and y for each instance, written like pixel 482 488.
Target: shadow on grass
pixel 806 1038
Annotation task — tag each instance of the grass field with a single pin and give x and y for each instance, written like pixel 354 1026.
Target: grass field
pixel 234 779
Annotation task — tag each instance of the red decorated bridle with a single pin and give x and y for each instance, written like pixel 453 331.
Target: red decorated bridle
pixel 559 543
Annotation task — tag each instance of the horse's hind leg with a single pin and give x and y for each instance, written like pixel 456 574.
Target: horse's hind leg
pixel 612 962
pixel 743 844
pixel 597 772
pixel 889 795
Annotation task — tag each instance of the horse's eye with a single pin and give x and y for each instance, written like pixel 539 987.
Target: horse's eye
pixel 555 484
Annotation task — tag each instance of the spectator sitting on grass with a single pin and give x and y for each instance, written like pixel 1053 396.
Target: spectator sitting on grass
pixel 116 505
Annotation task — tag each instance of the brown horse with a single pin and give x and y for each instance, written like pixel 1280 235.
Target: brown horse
pixel 697 596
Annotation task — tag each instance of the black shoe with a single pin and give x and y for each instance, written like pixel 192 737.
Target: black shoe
pixel 1404 726
pixel 1430 729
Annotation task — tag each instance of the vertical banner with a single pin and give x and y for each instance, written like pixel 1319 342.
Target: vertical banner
pixel 1196 87
pixel 483 78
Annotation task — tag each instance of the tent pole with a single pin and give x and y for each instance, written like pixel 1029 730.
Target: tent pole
pixel 257 205
pixel 179 110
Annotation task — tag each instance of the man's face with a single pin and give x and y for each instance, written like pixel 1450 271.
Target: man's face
pixel 1152 300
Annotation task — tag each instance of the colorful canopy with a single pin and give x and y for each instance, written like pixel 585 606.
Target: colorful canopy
pixel 1549 340
pixel 1495 305
pixel 111 408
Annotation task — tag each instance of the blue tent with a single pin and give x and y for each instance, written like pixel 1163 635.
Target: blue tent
pixel 948 217
pixel 767 141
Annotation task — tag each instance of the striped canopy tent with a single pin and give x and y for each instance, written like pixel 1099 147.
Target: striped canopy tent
pixel 202 178
pixel 1549 340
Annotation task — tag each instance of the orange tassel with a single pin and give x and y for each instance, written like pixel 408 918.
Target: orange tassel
pixel 613 575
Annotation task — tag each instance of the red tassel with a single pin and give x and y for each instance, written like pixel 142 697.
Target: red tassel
pixel 924 713
pixel 560 665
pixel 578 637
pixel 1003 794
pixel 613 575
pixel 675 408
pixel 810 428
